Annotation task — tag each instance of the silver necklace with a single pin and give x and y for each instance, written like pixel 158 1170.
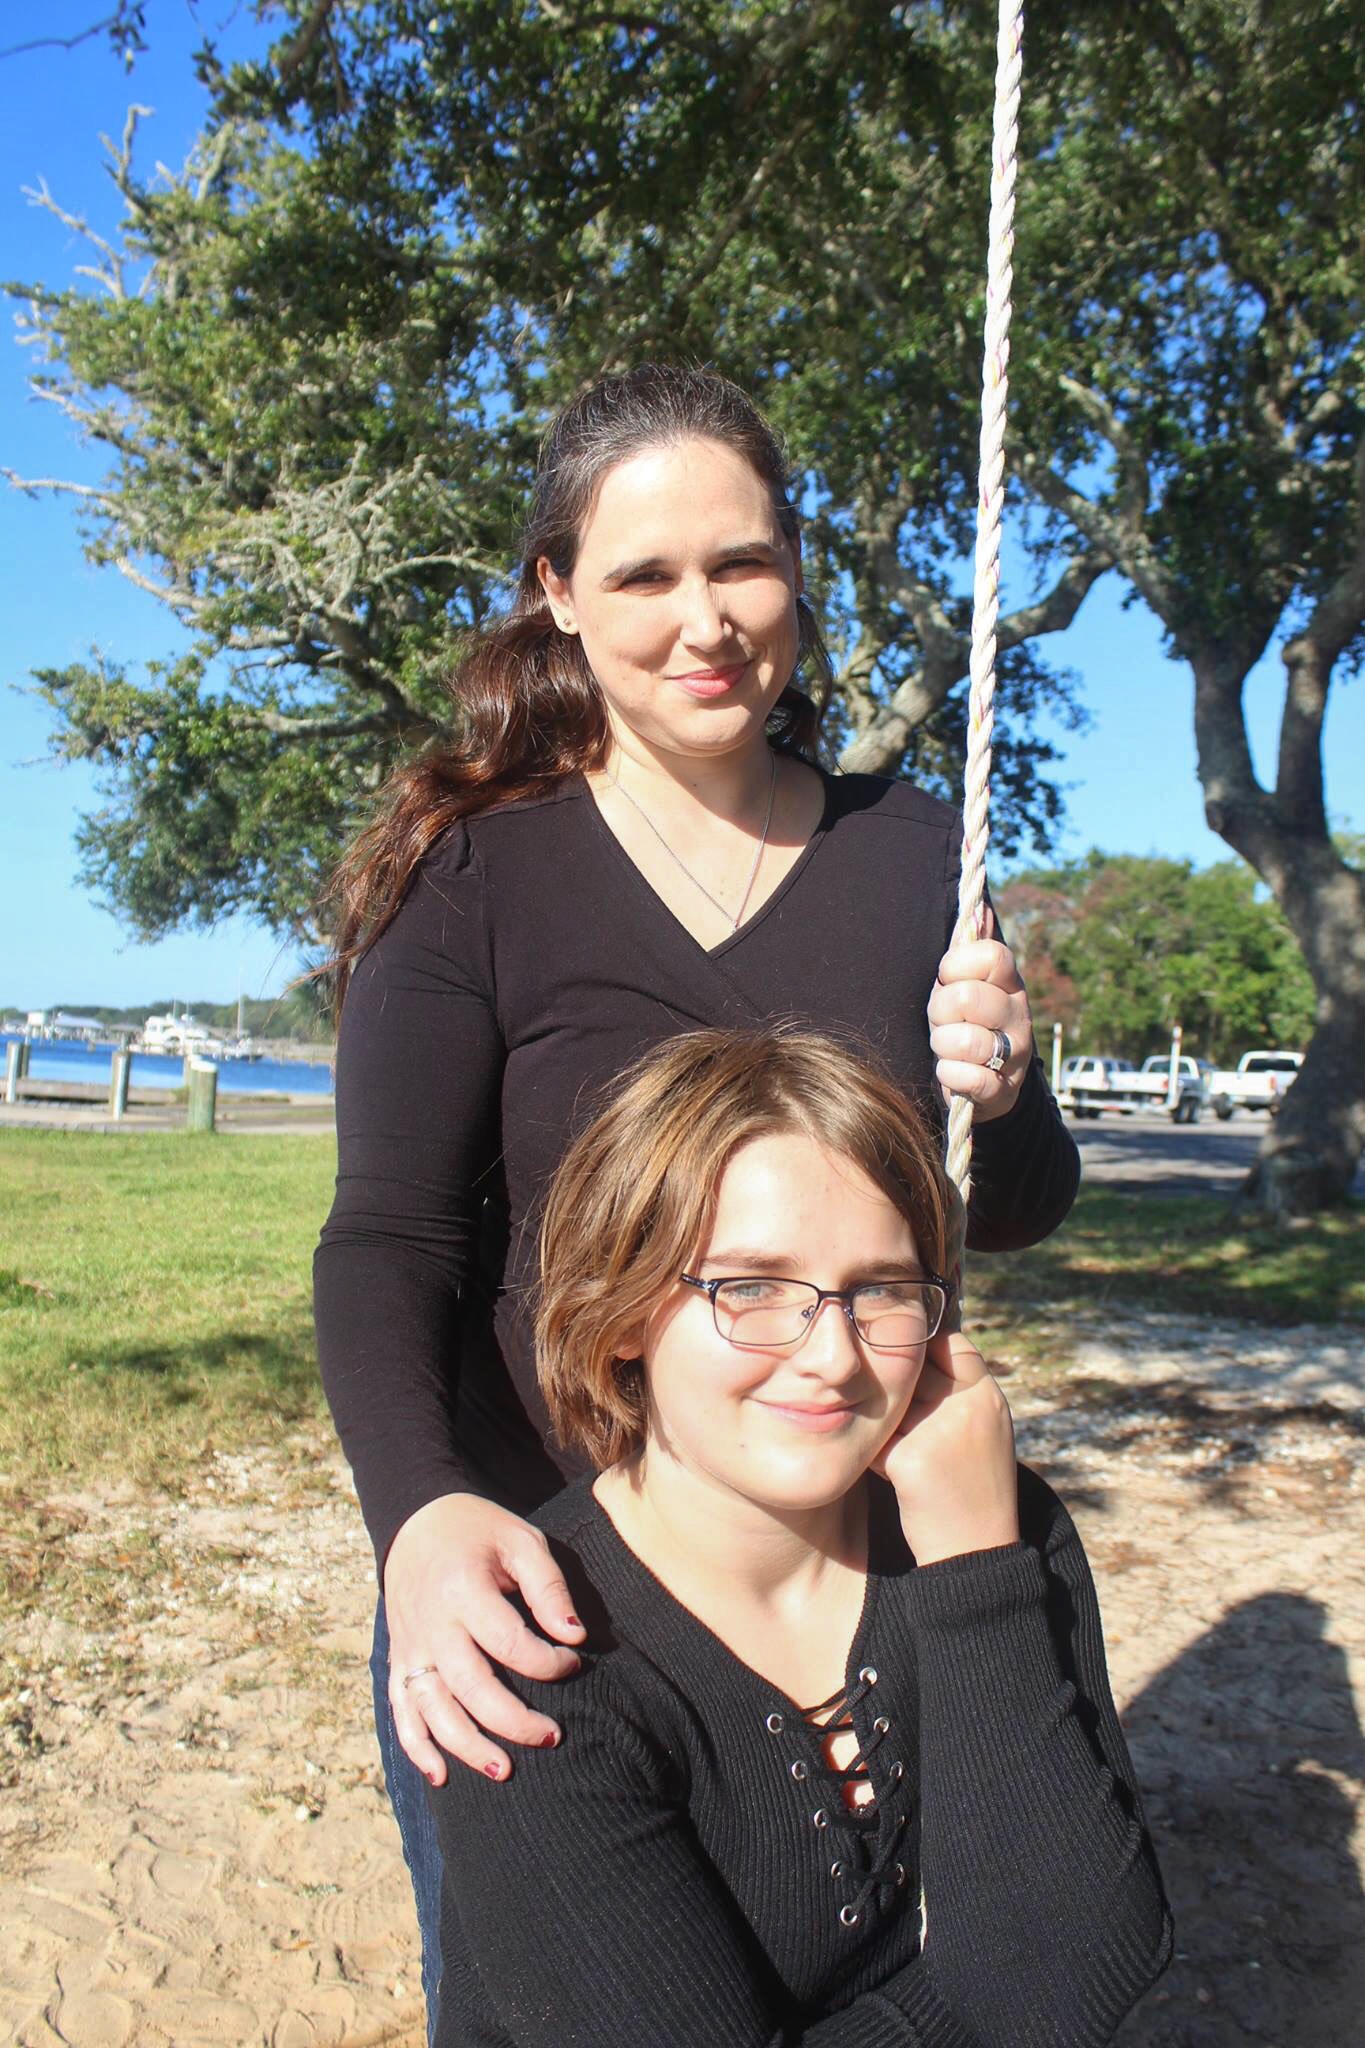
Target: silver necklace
pixel 733 922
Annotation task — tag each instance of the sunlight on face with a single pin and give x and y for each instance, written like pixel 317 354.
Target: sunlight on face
pixel 684 596
pixel 791 1427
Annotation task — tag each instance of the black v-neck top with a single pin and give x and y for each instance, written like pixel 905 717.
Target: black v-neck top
pixel 683 1872
pixel 529 962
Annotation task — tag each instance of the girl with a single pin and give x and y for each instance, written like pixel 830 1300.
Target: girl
pixel 842 1765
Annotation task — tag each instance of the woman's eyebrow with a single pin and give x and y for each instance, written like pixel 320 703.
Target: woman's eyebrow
pixel 731 552
pixel 625 569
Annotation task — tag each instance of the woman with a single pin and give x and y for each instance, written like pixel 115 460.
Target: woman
pixel 742 1264
pixel 631 839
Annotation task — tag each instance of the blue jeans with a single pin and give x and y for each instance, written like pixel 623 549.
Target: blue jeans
pixel 407 1790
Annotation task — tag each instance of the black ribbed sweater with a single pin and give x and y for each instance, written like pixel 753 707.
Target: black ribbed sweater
pixel 683 1872
pixel 528 964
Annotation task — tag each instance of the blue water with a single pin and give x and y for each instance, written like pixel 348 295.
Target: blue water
pixel 65 1062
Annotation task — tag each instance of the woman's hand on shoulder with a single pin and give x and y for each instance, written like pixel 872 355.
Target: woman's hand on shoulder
pixel 448 1573
pixel 952 1459
pixel 978 993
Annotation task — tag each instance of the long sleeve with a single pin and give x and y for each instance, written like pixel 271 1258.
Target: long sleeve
pixel 1037 1869
pixel 1026 1170
pixel 419 1066
pixel 1045 1915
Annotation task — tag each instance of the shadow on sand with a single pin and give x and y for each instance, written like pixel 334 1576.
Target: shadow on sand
pixel 1251 1757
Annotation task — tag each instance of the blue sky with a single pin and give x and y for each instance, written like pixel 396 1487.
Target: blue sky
pixel 1132 784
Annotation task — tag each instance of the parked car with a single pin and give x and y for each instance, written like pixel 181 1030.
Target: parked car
pixel 1192 1086
pixel 1260 1081
pixel 1092 1083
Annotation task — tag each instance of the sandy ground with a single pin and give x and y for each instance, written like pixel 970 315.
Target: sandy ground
pixel 195 1846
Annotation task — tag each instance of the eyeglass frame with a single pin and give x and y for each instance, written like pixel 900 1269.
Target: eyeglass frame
pixel 843 1295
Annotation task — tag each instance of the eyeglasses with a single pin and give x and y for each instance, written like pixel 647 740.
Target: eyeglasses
pixel 759 1312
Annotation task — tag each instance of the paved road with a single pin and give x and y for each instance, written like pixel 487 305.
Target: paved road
pixel 1148 1154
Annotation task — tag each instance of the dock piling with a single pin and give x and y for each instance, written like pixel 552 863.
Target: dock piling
pixel 118 1083
pixel 16 1067
pixel 202 1108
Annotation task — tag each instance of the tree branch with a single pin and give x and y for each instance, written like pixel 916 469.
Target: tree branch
pixel 96 28
pixel 31 485
pixel 1309 659
pixel 298 50
pixel 283 726
pixel 946 656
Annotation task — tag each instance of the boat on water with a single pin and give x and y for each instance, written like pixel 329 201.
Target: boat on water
pixel 184 1037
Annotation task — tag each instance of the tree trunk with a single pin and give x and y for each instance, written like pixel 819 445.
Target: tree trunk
pixel 1309 1156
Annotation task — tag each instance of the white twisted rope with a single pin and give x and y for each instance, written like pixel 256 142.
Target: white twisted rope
pixel 990 504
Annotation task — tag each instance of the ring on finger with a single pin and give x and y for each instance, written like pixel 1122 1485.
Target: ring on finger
pixel 1000 1057
pixel 422 1671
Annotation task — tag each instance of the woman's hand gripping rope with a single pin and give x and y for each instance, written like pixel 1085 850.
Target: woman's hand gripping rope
pixel 978 1001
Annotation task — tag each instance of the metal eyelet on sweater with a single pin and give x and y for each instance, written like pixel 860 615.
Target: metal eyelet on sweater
pixel 838 1870
pixel 902 1876
pixel 881 1726
pixel 896 1773
pixel 799 1771
pixel 819 1819
pixel 774 1724
pixel 868 1674
pixel 849 1916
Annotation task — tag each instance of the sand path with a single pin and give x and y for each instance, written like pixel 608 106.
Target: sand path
pixel 195 1845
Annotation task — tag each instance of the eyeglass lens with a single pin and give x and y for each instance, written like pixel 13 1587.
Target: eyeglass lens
pixel 890 1315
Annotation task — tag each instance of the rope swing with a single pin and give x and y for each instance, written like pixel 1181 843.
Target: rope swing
pixel 971 895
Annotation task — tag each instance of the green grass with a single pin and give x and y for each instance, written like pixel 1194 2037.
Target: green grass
pixel 154 1299
pixel 1186 1255
pixel 154 1292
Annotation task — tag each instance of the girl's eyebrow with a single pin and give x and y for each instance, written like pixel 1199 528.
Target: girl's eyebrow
pixel 736 1260
pixel 732 551
pixel 743 1259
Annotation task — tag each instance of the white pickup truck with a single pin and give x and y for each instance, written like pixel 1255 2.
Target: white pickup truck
pixel 1091 1084
pixel 1259 1082
pixel 1192 1087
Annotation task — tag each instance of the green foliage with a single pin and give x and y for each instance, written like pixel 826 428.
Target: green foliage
pixel 320 357
pixel 1119 950
pixel 320 366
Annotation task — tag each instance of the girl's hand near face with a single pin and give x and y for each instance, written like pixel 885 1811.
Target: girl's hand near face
pixel 952 1459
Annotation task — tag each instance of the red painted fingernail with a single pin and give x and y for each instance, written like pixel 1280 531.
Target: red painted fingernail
pixel 549 1742
pixel 572 1621
pixel 432 1778
pixel 492 1770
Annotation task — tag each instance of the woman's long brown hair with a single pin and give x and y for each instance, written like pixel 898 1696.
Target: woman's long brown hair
pixel 527 709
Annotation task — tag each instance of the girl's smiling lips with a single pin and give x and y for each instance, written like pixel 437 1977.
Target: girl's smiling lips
pixel 822 1418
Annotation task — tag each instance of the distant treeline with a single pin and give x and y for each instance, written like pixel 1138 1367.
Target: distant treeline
pixel 300 1015
pixel 1119 949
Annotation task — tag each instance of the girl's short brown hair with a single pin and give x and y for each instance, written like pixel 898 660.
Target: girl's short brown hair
pixel 633 1198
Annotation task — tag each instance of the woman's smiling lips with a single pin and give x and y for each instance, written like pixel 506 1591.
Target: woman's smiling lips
pixel 711 682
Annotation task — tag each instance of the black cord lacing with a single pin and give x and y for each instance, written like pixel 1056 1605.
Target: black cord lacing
pixel 832 1717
